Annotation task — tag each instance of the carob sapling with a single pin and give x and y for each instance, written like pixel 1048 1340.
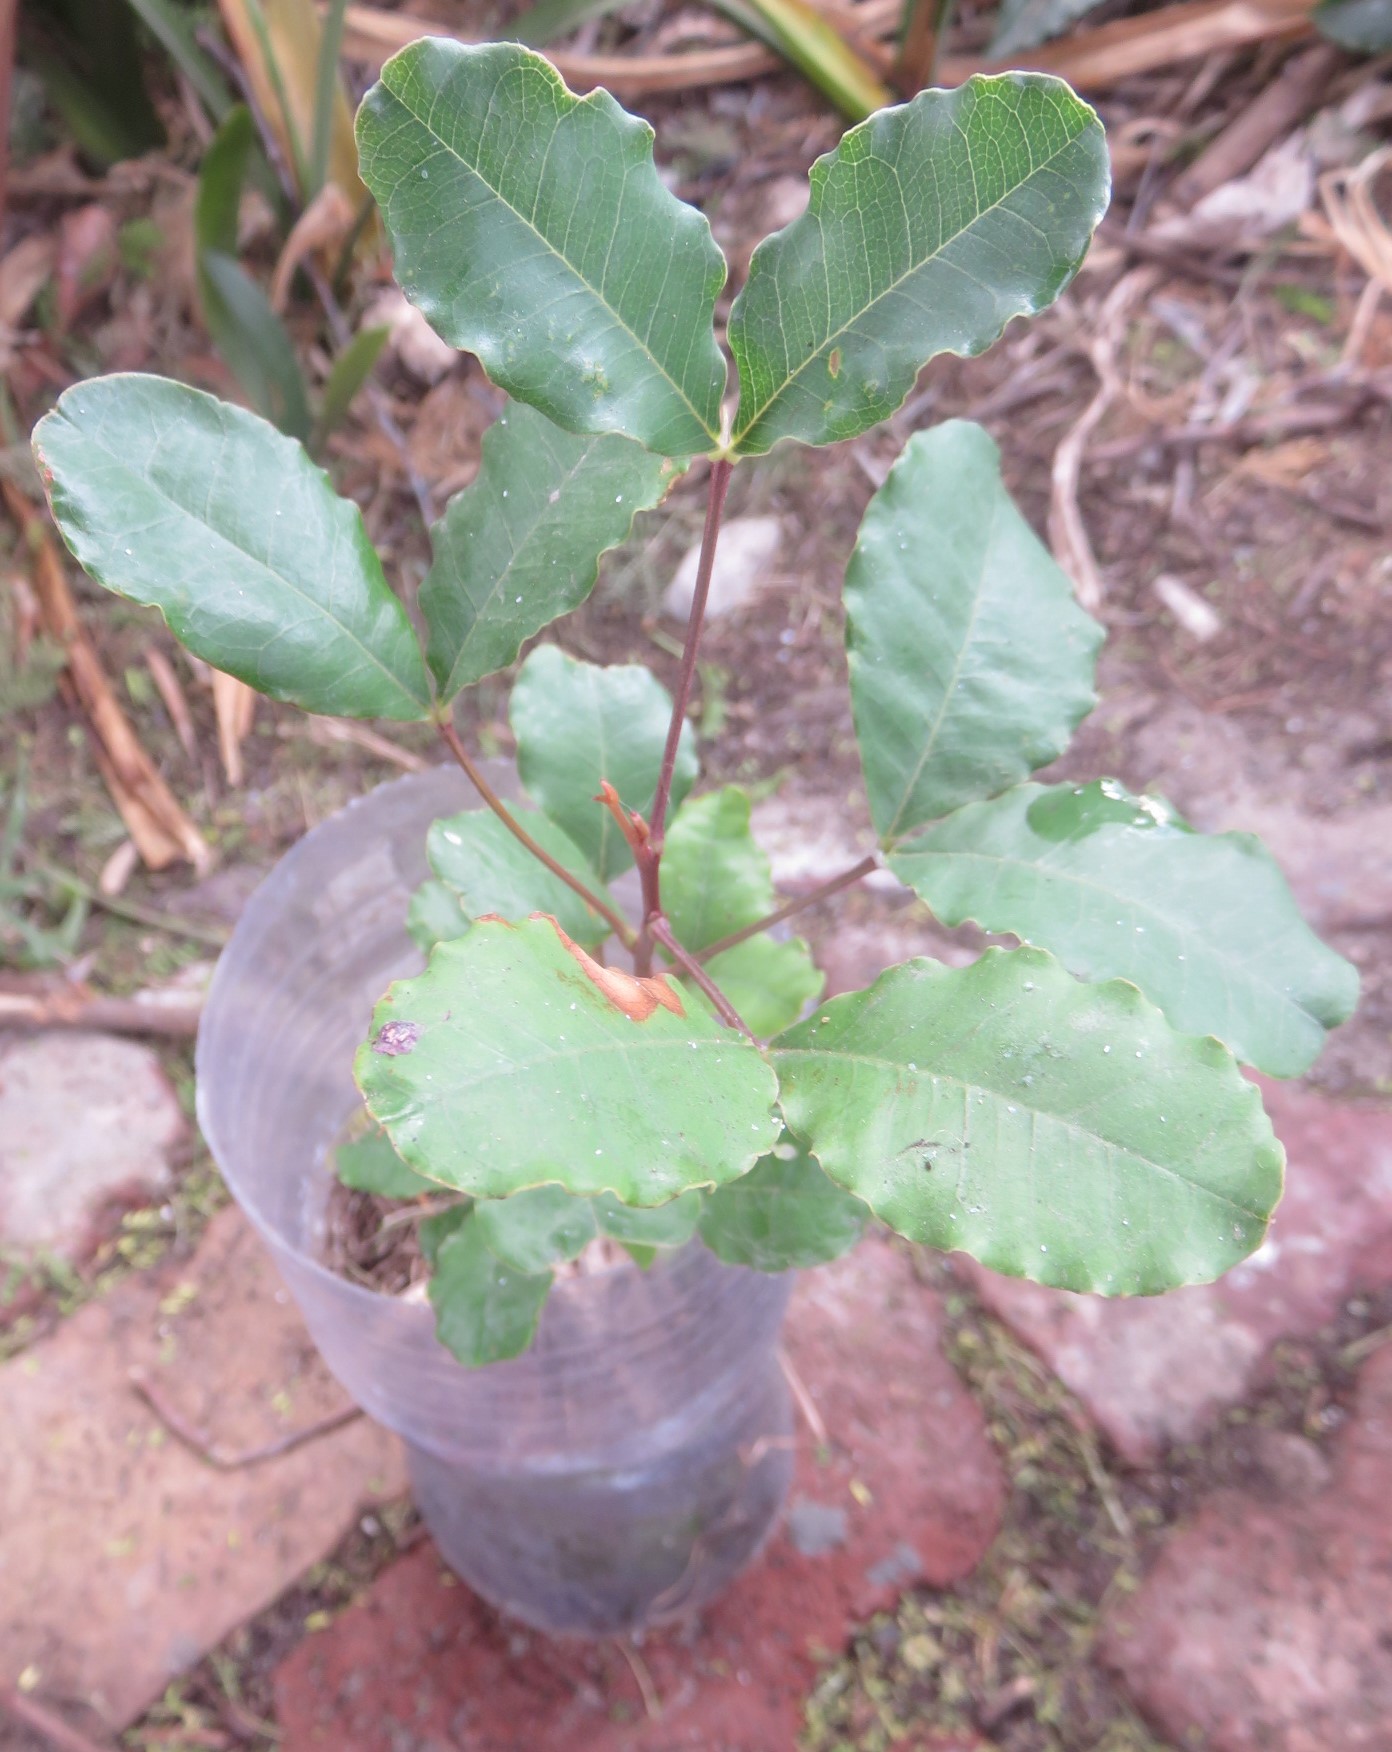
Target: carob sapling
pixel 1071 1111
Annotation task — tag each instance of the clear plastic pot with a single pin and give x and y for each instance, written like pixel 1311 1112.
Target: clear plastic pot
pixel 635 1458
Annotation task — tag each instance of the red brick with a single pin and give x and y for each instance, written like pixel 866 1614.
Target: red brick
pixel 85 1120
pixel 422 1664
pixel 1155 1371
pixel 123 1557
pixel 1267 1627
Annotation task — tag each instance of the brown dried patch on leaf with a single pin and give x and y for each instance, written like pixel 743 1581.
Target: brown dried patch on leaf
pixel 637 998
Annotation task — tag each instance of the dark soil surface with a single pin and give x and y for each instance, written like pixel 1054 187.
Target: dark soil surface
pixel 373 1241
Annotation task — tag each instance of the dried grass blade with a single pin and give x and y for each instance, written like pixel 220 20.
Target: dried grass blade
pixel 152 814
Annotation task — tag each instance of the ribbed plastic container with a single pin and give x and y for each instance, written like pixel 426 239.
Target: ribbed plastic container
pixel 632 1462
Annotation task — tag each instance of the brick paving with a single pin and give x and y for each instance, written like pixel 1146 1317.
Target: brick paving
pixel 1266 1625
pixel 907 1489
pixel 123 1557
pixel 1263 1622
pixel 1156 1371
pixel 85 1120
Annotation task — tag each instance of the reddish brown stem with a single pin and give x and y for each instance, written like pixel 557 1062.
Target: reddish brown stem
pixel 649 860
pixel 617 923
pixel 661 932
pixel 715 505
pixel 798 904
pixel 636 833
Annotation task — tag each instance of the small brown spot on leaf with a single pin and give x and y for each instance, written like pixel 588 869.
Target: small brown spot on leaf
pixel 834 361
pixel 395 1038
pixel 637 998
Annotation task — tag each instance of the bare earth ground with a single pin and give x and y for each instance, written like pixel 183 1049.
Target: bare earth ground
pixel 1283 717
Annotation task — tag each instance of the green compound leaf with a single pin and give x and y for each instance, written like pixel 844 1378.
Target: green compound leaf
pixel 668 1225
pixel 174 499
pixel 484 1311
pixel 784 1215
pixel 578 724
pixel 491 871
pixel 715 880
pixel 536 1229
pixel 531 227
pixel 971 664
pixel 370 1164
pixel 1053 1130
pixel 929 227
pixel 505 1065
pixel 435 915
pixel 520 546
pixel 1117 885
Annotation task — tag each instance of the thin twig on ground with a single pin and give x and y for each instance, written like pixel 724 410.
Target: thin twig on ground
pixel 1280 105
pixel 328 731
pixel 1347 198
pixel 1068 536
pixel 41 1720
pixel 152 814
pixel 1252 429
pixel 1102 1484
pixel 1092 60
pixel 805 1402
pixel 1181 258
pixel 212 1453
pixel 171 691
pixel 68 1006
pixel 234 707
pixel 652 1703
